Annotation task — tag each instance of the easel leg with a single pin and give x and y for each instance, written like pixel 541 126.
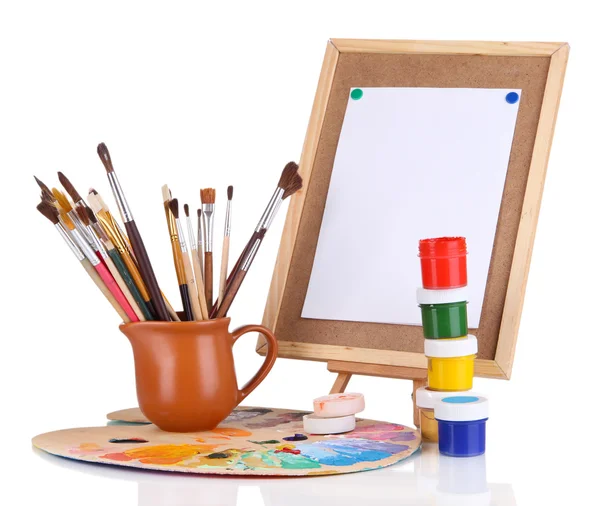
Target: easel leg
pixel 417 383
pixel 341 382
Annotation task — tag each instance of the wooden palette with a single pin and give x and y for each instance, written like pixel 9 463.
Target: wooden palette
pixel 130 415
pixel 252 441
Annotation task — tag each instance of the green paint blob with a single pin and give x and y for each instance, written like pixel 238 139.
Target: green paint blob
pixel 356 94
pixel 268 442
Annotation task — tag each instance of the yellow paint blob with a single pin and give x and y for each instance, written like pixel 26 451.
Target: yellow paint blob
pixel 429 426
pixel 167 454
pixel 450 374
pixel 232 432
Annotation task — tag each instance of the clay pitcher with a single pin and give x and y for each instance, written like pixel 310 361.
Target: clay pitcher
pixel 184 371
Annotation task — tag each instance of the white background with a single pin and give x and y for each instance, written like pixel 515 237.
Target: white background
pixel 217 94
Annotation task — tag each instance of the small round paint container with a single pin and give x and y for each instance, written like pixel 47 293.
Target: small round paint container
pixel 451 363
pixel 461 425
pixel 443 262
pixel 443 312
pixel 426 400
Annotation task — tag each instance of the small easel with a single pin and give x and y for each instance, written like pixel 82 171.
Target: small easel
pixel 345 370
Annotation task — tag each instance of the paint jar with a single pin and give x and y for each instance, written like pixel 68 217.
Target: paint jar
pixel 442 321
pixel 461 425
pixel 443 262
pixel 451 363
pixel 426 400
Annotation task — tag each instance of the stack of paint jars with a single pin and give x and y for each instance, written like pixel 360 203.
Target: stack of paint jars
pixel 449 349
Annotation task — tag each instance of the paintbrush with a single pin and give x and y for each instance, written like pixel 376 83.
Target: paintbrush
pixel 46 193
pixel 84 214
pixel 225 251
pixel 177 255
pixel 189 274
pixel 200 251
pixel 196 264
pixel 133 233
pixel 50 212
pixel 100 267
pixel 207 195
pixel 289 183
pixel 66 206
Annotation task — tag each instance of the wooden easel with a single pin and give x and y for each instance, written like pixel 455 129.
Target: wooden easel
pixel 345 370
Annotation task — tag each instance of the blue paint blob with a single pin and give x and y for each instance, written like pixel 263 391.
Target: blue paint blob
pixel 512 97
pixel 460 399
pixel 356 94
pixel 296 437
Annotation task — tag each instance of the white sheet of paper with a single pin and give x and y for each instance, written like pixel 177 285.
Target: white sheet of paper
pixel 411 163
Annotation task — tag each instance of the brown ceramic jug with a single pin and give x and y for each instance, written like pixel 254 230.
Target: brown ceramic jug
pixel 184 371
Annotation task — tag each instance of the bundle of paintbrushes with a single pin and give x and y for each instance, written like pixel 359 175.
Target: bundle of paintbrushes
pixel 118 263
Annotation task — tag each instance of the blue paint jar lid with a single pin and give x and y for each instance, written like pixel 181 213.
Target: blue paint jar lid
pixel 461 408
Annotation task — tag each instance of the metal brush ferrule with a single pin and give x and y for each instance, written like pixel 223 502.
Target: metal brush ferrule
pixel 208 211
pixel 85 247
pixel 80 226
pixel 251 254
pixel 182 243
pixel 97 243
pixel 69 240
pixel 200 233
pixel 193 245
pixel 100 232
pixel 273 213
pixel 228 219
pixel 273 203
pixel 120 198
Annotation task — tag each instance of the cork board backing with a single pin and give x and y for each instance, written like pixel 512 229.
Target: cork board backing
pixel 395 65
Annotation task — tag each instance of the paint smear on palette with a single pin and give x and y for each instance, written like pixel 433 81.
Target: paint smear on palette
pixel 278 420
pixel 245 414
pixel 349 451
pixel 381 432
pixel 296 437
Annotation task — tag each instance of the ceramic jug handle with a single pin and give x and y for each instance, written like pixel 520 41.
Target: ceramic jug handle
pixel 269 358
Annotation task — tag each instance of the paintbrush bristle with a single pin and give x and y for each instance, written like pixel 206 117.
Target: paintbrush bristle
pixel 93 203
pixel 82 215
pixel 105 157
pixel 69 187
pixel 174 206
pixel 49 211
pixel 47 197
pixel 62 200
pixel 229 192
pixel 287 175
pixel 45 190
pixel 91 215
pixel 166 193
pixel 207 195
pixel 66 220
pixel 186 210
pixel 294 185
pixel 91 190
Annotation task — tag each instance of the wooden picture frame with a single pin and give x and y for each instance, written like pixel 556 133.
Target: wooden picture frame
pixel 550 60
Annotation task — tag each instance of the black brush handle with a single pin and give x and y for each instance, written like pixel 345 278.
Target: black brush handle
pixel 146 270
pixel 187 303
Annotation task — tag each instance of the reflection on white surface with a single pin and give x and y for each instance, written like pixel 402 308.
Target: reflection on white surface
pixel 424 478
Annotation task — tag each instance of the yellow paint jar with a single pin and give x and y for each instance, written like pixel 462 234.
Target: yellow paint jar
pixel 450 363
pixel 426 400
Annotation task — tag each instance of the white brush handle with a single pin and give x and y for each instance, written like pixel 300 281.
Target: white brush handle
pixel 200 284
pixel 191 284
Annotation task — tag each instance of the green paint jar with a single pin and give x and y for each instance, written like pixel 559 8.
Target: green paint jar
pixel 443 321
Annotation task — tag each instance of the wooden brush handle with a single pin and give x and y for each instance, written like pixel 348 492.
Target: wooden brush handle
pixel 135 274
pixel 141 255
pixel 230 293
pixel 116 274
pixel 234 271
pixel 185 300
pixel 199 284
pixel 224 267
pixel 128 279
pixel 172 313
pixel 208 279
pixel 192 288
pixel 89 268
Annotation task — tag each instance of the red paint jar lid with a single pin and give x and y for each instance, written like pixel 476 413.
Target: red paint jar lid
pixel 441 247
